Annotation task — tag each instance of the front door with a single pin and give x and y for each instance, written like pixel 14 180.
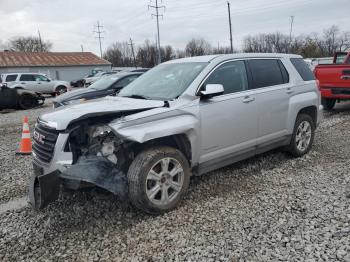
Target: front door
pixel 44 84
pixel 228 121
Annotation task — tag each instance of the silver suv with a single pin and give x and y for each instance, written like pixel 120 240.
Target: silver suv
pixel 36 82
pixel 183 118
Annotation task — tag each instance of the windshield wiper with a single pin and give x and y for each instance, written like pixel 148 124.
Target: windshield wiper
pixel 137 97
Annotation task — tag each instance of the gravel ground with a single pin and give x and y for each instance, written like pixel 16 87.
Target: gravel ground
pixel 268 208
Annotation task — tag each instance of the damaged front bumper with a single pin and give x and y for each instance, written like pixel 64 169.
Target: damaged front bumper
pixel 47 180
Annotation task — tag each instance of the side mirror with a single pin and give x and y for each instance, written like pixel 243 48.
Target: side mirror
pixel 3 86
pixel 48 80
pixel 212 90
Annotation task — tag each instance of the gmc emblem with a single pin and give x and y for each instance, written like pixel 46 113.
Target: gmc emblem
pixel 39 137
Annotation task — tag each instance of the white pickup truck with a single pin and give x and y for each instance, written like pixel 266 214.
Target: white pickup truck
pixel 35 82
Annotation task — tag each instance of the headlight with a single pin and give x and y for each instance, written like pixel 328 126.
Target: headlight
pixel 100 130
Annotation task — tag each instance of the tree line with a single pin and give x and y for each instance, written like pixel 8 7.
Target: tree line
pixel 309 46
pixel 121 54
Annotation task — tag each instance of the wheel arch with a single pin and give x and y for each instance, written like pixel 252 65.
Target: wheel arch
pixel 178 141
pixel 307 103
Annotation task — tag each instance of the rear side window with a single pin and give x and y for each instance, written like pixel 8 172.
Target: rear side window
pixel 27 78
pixel 268 72
pixel 302 68
pixel 11 78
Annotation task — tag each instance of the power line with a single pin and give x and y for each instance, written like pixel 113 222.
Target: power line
pixel 229 19
pixel 157 15
pixel 133 53
pixel 291 31
pixel 99 33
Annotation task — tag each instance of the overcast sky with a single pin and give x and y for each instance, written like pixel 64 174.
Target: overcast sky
pixel 68 24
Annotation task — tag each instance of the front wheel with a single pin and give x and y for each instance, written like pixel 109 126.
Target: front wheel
pixel 303 136
pixel 158 178
pixel 328 103
pixel 61 90
pixel 27 101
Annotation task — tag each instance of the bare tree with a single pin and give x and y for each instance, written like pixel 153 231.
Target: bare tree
pixel 168 53
pixel 198 47
pixel 222 50
pixel 29 44
pixel 119 54
pixel 147 55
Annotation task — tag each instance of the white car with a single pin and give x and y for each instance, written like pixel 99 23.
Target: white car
pixel 35 82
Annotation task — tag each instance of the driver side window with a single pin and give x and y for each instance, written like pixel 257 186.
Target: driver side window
pixel 232 75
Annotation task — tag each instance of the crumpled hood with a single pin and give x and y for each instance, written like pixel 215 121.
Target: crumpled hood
pixel 62 117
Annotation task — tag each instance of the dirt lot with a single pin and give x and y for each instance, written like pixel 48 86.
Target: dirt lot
pixel 268 208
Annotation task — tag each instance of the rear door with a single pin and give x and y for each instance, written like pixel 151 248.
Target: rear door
pixel 273 91
pixel 28 82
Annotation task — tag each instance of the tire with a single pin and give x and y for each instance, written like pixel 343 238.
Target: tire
pixel 303 136
pixel 147 190
pixel 328 103
pixel 61 90
pixel 27 101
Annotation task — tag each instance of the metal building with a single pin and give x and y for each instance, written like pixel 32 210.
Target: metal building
pixel 65 66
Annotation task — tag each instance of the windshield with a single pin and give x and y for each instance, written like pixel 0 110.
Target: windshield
pixel 104 83
pixel 164 82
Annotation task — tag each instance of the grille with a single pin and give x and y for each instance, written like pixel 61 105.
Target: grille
pixel 44 142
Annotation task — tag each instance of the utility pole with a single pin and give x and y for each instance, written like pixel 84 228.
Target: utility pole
pixel 133 53
pixel 157 15
pixel 99 33
pixel 291 31
pixel 40 42
pixel 82 48
pixel 230 23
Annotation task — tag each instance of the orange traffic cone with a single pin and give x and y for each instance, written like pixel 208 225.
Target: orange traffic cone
pixel 26 142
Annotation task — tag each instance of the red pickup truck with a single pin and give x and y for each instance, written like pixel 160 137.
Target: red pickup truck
pixel 334 80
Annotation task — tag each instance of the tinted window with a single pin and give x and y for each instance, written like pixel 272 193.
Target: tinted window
pixel 267 72
pixel 125 81
pixel 11 78
pixel 27 78
pixel 302 68
pixel 232 76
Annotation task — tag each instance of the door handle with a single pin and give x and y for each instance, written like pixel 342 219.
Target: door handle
pixel 290 90
pixel 23 83
pixel 248 99
pixel 345 77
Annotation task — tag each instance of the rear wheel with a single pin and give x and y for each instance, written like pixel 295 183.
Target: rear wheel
pixel 158 179
pixel 61 90
pixel 27 101
pixel 328 103
pixel 303 136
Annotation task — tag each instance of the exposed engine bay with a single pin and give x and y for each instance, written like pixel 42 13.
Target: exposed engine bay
pixel 99 158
